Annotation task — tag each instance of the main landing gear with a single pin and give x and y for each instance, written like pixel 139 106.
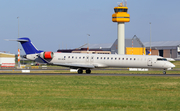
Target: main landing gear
pixel 88 71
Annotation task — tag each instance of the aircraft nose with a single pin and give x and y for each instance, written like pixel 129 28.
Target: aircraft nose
pixel 172 65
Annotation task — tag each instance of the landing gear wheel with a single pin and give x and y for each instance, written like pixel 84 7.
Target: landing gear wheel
pixel 88 71
pixel 164 72
pixel 80 71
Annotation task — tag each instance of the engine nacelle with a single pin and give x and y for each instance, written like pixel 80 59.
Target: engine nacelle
pixel 46 55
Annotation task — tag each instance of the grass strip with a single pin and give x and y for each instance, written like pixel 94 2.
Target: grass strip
pixel 37 93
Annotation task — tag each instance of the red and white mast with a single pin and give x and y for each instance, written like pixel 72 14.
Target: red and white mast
pixel 19 64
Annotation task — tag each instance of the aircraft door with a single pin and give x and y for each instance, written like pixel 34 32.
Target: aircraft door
pixel 149 62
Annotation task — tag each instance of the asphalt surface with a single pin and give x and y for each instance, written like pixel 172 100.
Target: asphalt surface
pixel 74 74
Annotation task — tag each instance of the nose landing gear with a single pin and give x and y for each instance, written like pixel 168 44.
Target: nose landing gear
pixel 164 72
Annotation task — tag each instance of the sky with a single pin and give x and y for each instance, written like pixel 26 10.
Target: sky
pixel 65 24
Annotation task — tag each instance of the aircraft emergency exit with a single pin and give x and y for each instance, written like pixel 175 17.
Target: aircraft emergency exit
pixel 87 62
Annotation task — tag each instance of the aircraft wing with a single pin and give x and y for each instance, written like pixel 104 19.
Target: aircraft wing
pixel 71 65
pixel 75 66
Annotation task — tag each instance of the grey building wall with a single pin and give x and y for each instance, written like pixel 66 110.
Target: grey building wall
pixel 174 53
pixel 169 48
pixel 128 43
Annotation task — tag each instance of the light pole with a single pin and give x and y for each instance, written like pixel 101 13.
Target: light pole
pixel 150 38
pixel 88 41
pixel 132 43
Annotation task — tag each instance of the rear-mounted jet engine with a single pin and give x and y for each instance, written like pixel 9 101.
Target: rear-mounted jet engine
pixel 46 55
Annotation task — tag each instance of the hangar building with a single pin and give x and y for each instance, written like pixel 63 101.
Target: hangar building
pixel 132 46
pixel 7 60
pixel 111 48
pixel 167 49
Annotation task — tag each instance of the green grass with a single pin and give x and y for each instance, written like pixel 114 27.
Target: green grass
pixel 53 93
pixel 177 64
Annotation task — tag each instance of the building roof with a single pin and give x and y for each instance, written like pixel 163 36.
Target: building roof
pixel 162 43
pixel 98 46
pixel 2 54
pixel 128 43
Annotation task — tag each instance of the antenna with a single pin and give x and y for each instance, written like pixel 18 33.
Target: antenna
pixel 118 3
pixel 122 4
pixel 125 3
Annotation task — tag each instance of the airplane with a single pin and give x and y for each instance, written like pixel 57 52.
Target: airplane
pixel 87 62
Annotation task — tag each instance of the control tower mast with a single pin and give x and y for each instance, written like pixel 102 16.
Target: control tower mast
pixel 121 16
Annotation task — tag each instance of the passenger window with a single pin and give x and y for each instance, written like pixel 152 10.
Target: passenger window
pixel 68 56
pixel 79 57
pixel 108 58
pixel 101 57
pixel 134 58
pixel 72 57
pixel 111 58
pixel 126 58
pixel 119 58
pixel 122 58
pixel 64 56
pixel 104 57
pixel 97 57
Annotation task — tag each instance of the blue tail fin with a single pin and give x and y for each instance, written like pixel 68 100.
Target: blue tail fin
pixel 28 47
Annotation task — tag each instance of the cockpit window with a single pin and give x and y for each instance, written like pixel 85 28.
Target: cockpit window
pixel 161 59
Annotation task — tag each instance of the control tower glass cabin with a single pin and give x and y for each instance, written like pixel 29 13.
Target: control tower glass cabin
pixel 120 14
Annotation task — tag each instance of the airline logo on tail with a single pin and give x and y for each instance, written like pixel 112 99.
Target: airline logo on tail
pixel 28 46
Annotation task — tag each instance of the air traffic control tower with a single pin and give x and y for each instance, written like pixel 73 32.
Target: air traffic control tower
pixel 121 16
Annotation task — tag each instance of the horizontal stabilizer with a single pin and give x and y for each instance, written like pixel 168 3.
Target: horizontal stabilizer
pixel 18 40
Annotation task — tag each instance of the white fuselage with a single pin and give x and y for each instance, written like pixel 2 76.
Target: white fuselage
pixel 108 60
